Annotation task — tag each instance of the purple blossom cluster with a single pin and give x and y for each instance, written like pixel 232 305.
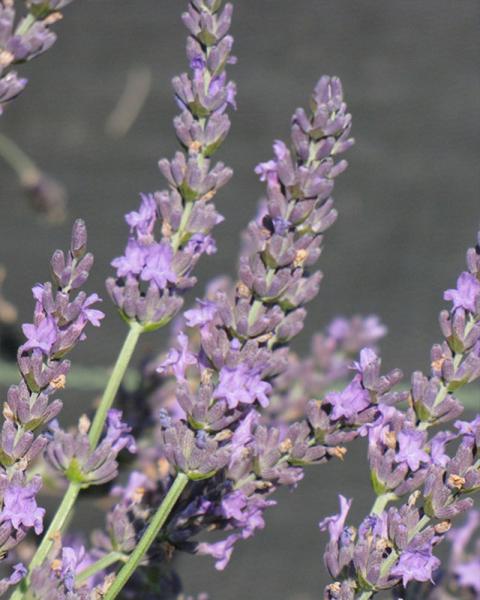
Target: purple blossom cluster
pixel 152 273
pixel 233 345
pixel 394 547
pixel 71 453
pixel 23 40
pixel 62 312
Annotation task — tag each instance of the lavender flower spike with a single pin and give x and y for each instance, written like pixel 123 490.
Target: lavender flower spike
pixel 61 315
pixel 154 272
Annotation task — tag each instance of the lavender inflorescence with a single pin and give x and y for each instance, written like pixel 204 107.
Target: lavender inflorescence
pixel 229 413
pixel 394 547
pixel 62 312
pixel 152 274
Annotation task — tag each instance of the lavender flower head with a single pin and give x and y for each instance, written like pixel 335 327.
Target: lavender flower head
pixel 153 273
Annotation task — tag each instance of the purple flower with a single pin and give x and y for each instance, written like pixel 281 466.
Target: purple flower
pixel 92 315
pixel 416 565
pixel 411 448
pixel 468 428
pixel 200 244
pixel 233 504
pixel 280 149
pixel 117 434
pixel 352 400
pixel 336 523
pixel 18 573
pixel 133 261
pixel 241 385
pixel 158 267
pixel 367 358
pixel 143 221
pixel 267 171
pixel 437 447
pixel 41 336
pixel 221 551
pixel 201 316
pixel 466 294
pixel 20 506
pixel 179 359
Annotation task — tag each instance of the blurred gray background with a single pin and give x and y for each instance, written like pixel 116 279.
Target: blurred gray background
pixel 409 204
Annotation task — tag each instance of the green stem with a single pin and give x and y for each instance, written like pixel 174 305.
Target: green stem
pixel 149 536
pixel 26 24
pixel 17 159
pixel 365 596
pixel 381 502
pixel 103 563
pixel 114 382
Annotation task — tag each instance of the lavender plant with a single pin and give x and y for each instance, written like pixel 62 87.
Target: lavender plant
pixel 228 414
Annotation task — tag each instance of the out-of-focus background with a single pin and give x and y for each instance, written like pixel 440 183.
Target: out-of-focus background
pixel 409 204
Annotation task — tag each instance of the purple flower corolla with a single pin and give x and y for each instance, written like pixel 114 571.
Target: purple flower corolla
pixel 202 315
pixel 280 149
pixel 20 506
pixel 92 315
pixel 233 505
pixel 221 551
pixel 437 447
pixel 117 433
pixel 242 385
pixel 11 85
pixel 468 428
pixel 466 293
pixel 158 266
pixel 133 261
pixel 200 244
pixel 367 357
pixel 416 565
pixel 42 336
pixel 178 360
pixel 336 523
pixel 349 402
pixel 143 221
pixel 267 171
pixel 246 515
pixel 411 444
pixel 18 573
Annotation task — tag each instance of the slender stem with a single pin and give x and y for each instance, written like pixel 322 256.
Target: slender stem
pixel 26 24
pixel 365 596
pixel 14 156
pixel 381 502
pixel 149 536
pixel 114 383
pixel 56 526
pixel 102 563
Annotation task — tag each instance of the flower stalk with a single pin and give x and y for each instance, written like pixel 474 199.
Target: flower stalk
pixel 151 533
